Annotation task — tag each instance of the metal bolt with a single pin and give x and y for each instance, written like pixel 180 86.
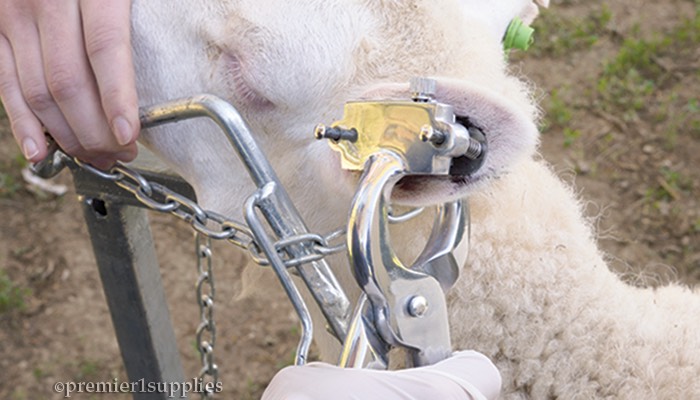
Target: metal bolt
pixel 429 134
pixel 335 133
pixel 417 306
pixel 475 149
pixel 320 131
pixel 477 143
pixel 422 89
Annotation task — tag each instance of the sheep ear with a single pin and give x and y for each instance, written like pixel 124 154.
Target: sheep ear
pixel 507 123
pixel 543 3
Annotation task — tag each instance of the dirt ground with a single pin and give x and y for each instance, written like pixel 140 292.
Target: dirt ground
pixel 619 85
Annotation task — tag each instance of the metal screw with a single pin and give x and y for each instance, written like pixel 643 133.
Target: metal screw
pixel 429 134
pixel 417 306
pixel 422 89
pixel 477 143
pixel 475 149
pixel 320 131
pixel 335 133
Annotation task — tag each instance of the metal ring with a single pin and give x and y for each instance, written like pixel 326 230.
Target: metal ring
pixel 144 185
pixel 110 176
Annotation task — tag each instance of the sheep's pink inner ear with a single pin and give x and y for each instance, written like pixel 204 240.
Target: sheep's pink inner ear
pixel 510 131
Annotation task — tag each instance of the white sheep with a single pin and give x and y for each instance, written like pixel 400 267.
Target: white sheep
pixel 536 295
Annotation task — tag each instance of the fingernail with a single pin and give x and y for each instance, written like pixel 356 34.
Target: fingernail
pixel 125 156
pixel 30 148
pixel 103 163
pixel 122 130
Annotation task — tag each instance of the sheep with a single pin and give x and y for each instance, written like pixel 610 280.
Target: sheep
pixel 535 295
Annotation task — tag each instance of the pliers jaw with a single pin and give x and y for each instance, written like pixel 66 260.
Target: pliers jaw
pixel 401 306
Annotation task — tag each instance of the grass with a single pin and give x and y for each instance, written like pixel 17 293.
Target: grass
pixel 19 394
pixel 287 361
pixel 10 179
pixel 570 136
pixel 636 83
pixel 628 92
pixel 630 80
pixel 671 184
pixel 291 355
pixel 557 35
pixel 693 106
pixel 252 390
pixel 88 370
pixel 559 112
pixel 12 295
pixel 9 184
pixel 646 82
pixel 638 55
pixel 631 77
pixel 675 179
pixel 693 123
pixel 39 373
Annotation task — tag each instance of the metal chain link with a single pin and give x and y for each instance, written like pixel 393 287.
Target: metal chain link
pixel 206 331
pixel 212 225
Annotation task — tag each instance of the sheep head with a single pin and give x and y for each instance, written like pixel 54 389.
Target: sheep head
pixel 288 66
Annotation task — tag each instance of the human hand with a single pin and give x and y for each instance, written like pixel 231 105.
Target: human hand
pixel 67 65
pixel 467 375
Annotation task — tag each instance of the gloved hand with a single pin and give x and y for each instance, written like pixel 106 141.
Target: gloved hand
pixel 467 375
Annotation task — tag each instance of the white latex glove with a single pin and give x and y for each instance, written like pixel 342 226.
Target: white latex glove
pixel 467 375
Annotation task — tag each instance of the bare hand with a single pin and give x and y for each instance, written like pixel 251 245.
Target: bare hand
pixel 66 66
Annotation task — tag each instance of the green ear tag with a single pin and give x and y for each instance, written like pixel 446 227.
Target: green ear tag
pixel 518 35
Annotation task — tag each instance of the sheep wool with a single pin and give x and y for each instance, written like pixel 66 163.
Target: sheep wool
pixel 537 297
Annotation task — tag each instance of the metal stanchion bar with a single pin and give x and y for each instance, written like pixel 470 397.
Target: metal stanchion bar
pixel 131 280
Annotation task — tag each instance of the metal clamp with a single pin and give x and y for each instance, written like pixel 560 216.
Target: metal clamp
pixel 424 133
pixel 401 306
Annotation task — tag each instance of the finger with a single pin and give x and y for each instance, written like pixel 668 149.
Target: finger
pixel 35 92
pixel 106 29
pixel 103 163
pixel 26 128
pixel 70 79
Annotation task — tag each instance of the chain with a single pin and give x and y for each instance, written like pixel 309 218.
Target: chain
pixel 212 225
pixel 206 331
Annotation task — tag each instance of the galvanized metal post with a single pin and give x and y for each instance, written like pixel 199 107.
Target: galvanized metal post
pixel 126 259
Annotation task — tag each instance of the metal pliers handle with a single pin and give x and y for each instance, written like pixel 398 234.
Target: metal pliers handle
pixel 401 306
